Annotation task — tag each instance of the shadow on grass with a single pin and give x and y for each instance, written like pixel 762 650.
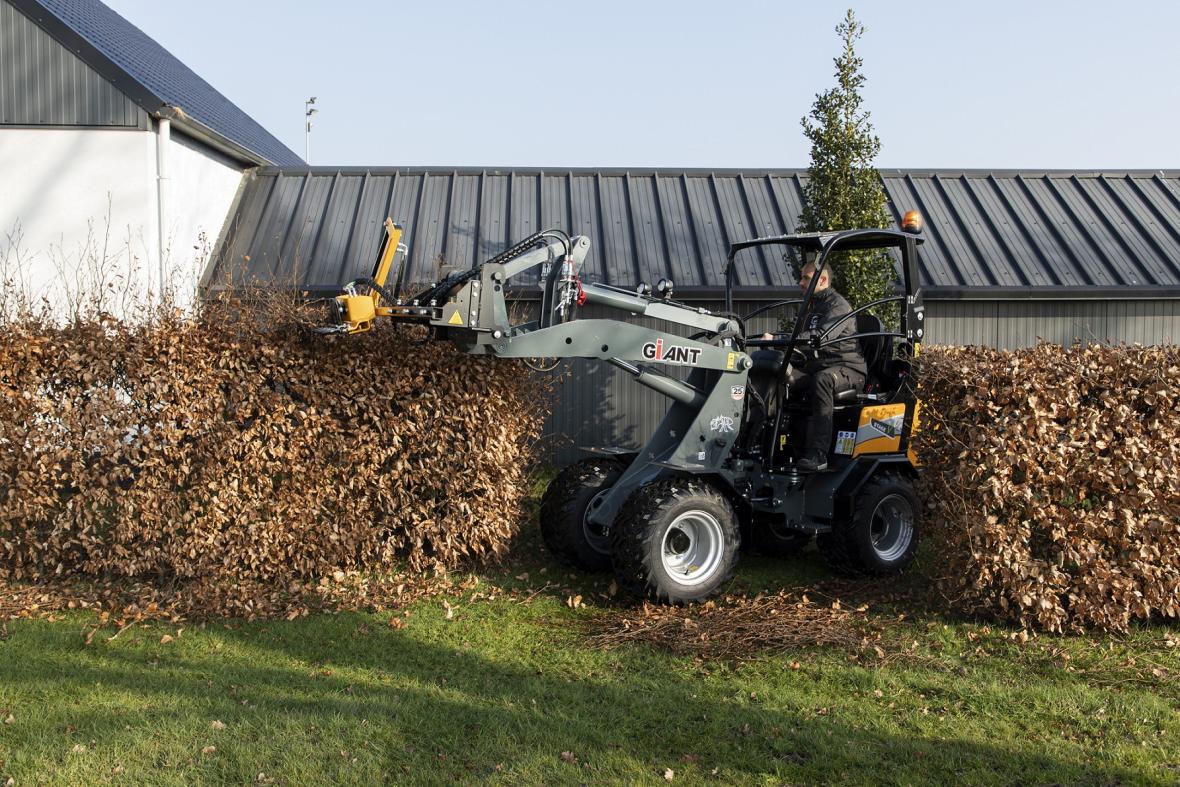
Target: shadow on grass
pixel 461 713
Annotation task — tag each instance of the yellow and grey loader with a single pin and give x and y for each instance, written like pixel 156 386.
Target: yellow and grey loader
pixel 669 517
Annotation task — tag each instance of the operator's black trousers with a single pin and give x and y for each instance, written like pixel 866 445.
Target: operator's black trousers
pixel 822 386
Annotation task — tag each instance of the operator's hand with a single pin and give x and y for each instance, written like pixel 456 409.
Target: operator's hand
pixel 767 336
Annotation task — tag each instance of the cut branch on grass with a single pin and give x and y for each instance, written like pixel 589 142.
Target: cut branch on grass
pixel 736 628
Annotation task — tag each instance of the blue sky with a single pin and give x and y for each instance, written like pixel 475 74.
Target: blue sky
pixel 1079 85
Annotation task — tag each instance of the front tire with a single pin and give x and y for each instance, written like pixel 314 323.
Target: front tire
pixel 564 525
pixel 882 536
pixel 675 541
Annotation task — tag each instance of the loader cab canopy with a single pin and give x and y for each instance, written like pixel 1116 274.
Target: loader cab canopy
pixel 816 248
pixel 847 240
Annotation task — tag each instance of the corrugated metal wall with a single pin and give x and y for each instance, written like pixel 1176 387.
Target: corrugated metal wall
pixel 1075 231
pixel 44 84
pixel 598 405
pixel 1014 324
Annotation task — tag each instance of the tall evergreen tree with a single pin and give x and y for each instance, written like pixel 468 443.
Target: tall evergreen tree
pixel 843 189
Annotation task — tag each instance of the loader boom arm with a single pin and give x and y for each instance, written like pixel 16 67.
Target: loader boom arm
pixel 470 309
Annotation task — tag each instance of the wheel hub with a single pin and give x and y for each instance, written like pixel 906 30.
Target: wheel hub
pixel 693 547
pixel 596 535
pixel 892 528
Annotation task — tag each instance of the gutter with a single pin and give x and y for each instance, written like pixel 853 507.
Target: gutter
pixel 199 131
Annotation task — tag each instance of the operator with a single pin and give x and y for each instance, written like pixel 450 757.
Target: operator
pixel 834 367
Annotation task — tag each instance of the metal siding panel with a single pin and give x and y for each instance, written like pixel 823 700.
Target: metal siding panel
pixel 1072 268
pixel 1132 226
pixel 956 250
pixel 526 217
pixel 336 232
pixel 1159 219
pixel 555 207
pixel 463 222
pixel 1051 256
pixel 662 223
pixel 235 246
pixel 407 193
pixel 1012 230
pixel 585 220
pixel 494 218
pixel 1119 248
pixel 618 247
pixel 707 227
pixel 973 247
pixel 1004 254
pixel 367 228
pixel 279 214
pixel 43 83
pixel 935 267
pixel 787 195
pixel 651 259
pixel 526 207
pixel 431 221
pixel 684 264
pixel 304 232
pixel 738 224
pixel 764 222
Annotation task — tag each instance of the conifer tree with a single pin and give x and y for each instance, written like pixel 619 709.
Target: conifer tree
pixel 843 189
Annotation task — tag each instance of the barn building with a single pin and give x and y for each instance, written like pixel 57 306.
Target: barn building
pixel 118 164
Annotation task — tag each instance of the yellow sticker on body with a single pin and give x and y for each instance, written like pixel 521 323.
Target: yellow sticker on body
pixel 731 361
pixel 456 319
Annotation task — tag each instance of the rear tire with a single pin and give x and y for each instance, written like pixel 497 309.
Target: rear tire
pixel 675 541
pixel 564 528
pixel 882 536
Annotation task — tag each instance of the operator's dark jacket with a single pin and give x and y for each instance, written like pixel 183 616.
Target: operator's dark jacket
pixel 828 306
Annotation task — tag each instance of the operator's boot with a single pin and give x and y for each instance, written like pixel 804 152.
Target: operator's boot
pixel 812 461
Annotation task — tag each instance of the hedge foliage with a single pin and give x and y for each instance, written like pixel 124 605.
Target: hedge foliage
pixel 235 452
pixel 1053 482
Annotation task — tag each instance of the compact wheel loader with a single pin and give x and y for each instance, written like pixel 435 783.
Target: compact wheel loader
pixel 669 518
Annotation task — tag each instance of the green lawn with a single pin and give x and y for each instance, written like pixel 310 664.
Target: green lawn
pixel 508 691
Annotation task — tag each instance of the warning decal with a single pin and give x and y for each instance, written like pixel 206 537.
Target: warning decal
pixel 456 319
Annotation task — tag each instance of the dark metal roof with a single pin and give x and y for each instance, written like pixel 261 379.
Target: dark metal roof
pixel 1003 233
pixel 152 77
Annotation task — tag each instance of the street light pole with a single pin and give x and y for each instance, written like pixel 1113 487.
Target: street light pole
pixel 308 111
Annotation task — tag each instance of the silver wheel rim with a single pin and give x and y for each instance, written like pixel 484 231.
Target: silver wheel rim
pixel 892 528
pixel 692 548
pixel 594 534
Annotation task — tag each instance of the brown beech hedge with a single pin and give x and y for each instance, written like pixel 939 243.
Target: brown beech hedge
pixel 238 456
pixel 1052 482
pixel 221 451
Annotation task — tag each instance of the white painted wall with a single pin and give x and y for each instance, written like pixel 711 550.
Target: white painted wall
pixel 79 215
pixel 202 188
